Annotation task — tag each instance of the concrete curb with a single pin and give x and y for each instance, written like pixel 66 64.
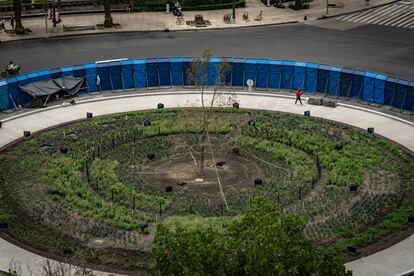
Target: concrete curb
pixel 166 30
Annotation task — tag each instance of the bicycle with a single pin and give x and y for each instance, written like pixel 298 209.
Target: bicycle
pixel 180 20
pixel 227 18
pixel 246 17
pixel 259 17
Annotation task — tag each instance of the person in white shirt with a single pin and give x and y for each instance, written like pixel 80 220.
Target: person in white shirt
pixel 10 67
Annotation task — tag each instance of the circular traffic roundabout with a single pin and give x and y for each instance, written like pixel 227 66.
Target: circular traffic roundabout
pixel 96 189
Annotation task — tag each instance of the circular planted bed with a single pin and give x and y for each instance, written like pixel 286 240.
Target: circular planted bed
pixel 98 188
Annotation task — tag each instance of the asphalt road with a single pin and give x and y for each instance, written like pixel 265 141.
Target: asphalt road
pixel 378 48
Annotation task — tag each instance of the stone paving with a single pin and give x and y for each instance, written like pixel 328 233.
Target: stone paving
pixel 160 21
pixel 394 260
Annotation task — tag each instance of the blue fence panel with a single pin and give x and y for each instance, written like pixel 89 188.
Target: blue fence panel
pixel 177 71
pixel 110 75
pixel 127 69
pixel 369 86
pixel 151 67
pixel 390 91
pixel 14 91
pixel 55 73
pixel 213 71
pixel 409 101
pixel 379 88
pixel 22 97
pixel 345 87
pixel 299 74
pixel 402 93
pixel 38 76
pixel 227 71
pixel 4 96
pixel 187 61
pixel 238 72
pixel 250 72
pixel 164 66
pixel 287 74
pixel 66 71
pixel 115 69
pixel 323 78
pixel 311 79
pixel 275 74
pixel 262 73
pixel 334 80
pixel 140 76
pixel 91 73
pixel 79 71
pixel 357 84
pixel 17 96
pixel 104 72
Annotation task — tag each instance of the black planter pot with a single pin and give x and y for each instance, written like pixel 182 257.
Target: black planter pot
pixel 353 188
pixel 147 123
pixel 258 182
pixel 26 134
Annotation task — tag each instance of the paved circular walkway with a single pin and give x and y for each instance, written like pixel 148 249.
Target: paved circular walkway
pixel 397 259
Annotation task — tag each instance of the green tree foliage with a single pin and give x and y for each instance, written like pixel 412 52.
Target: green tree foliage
pixel 265 241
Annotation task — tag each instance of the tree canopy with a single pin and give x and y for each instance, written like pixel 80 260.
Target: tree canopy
pixel 263 241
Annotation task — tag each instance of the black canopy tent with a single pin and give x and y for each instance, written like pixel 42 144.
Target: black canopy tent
pixel 41 91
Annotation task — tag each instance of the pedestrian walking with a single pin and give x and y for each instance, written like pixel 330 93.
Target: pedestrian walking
pixel 2 23
pixel 298 94
pixel 12 20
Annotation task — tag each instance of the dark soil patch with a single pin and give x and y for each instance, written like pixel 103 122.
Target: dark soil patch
pixel 182 171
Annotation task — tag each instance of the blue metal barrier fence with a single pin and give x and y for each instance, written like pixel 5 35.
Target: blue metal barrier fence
pixel 267 74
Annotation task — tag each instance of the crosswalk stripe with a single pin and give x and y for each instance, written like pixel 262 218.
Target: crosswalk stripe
pixel 402 17
pixel 362 18
pixel 408 23
pixel 394 17
pixel 375 16
pixel 399 14
pixel 402 20
pixel 347 16
pixel 383 18
pixel 355 16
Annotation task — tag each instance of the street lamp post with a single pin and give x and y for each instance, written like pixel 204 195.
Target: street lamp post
pixel 327 5
pixel 54 13
pixel 45 10
pixel 234 12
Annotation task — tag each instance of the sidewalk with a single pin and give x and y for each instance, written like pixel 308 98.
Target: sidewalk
pixel 159 21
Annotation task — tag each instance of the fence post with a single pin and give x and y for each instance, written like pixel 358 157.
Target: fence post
pixel 326 86
pixel 349 89
pixel 110 80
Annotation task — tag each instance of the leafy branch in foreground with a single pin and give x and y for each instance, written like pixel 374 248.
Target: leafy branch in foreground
pixel 264 241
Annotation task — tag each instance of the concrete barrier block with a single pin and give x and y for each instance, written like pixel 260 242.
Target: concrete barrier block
pixel 315 101
pixel 328 103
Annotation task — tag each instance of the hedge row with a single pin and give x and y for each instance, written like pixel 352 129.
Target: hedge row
pixel 188 5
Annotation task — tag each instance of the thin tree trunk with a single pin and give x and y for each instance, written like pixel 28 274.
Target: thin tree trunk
pixel 204 134
pixel 108 17
pixel 17 10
